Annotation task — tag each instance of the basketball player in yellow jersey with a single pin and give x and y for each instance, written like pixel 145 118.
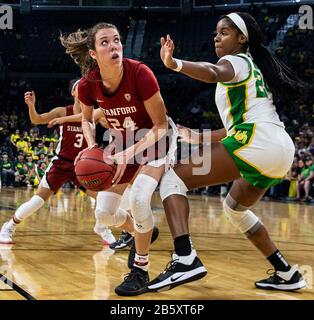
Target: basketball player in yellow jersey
pixel 253 149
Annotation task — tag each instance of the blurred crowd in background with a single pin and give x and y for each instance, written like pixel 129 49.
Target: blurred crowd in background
pixel 26 150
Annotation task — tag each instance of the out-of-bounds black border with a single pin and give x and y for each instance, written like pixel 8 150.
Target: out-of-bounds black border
pixel 159 309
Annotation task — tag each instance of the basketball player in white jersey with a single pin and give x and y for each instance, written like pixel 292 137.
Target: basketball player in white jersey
pixel 253 149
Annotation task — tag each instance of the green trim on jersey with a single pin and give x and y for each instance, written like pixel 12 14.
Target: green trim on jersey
pixel 242 138
pixel 230 84
pixel 237 99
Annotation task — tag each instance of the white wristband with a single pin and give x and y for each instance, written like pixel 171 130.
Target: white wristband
pixel 179 65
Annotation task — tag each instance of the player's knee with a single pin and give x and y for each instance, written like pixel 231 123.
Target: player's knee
pixel 140 199
pixel 125 200
pixel 107 209
pixel 171 184
pixel 246 221
pixel 111 219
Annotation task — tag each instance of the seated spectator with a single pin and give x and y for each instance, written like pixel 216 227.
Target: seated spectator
pixel 40 149
pixel 305 180
pixel 26 136
pixel 39 171
pixel 22 145
pixel 7 172
pixel 293 176
pixel 15 136
pixel 31 173
pixel 51 150
pixel 43 158
pixel 20 170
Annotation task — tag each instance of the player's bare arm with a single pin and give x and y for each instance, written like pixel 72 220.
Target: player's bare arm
pixel 88 125
pixel 203 71
pixel 99 117
pixel 36 118
pixel 193 137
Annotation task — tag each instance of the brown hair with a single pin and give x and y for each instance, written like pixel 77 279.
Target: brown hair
pixel 78 43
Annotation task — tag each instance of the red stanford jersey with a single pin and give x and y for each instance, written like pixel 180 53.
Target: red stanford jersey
pixel 71 140
pixel 124 110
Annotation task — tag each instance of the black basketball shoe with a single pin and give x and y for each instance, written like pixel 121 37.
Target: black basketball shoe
pixel 133 250
pixel 285 281
pixel 134 283
pixel 126 239
pixel 177 272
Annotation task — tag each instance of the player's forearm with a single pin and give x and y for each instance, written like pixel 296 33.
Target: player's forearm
pixel 34 116
pixel 152 136
pixel 213 135
pixel 72 118
pixel 203 71
pixel 89 132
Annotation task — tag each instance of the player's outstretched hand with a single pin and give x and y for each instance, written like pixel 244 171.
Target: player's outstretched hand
pixel 30 98
pixel 166 52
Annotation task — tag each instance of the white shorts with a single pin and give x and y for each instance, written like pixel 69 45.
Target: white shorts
pixel 263 152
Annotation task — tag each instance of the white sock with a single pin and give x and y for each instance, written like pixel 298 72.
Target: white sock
pixel 29 207
pixel 12 223
pixel 188 260
pixel 141 262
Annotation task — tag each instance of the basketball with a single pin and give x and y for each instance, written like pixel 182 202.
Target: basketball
pixel 92 172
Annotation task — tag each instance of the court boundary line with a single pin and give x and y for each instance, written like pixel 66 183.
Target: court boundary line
pixel 16 288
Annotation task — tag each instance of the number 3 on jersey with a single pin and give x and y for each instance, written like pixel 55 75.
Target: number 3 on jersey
pixel 79 140
pixel 128 123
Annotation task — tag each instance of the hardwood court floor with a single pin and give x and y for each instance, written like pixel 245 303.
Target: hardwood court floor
pixel 57 256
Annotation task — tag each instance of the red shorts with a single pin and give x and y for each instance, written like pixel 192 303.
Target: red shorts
pixel 59 172
pixel 129 173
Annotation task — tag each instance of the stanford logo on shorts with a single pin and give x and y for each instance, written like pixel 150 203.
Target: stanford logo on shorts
pixel 127 97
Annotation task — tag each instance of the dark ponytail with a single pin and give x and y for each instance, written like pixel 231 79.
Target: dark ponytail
pixel 281 80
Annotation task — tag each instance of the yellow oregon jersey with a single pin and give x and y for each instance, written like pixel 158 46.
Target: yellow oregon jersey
pixel 247 100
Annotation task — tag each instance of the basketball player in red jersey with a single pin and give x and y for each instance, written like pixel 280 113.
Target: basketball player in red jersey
pixel 126 239
pixel 129 95
pixel 61 168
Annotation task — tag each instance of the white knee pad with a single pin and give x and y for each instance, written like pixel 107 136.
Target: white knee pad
pixel 171 184
pixel 107 210
pixel 125 200
pixel 242 220
pixel 140 197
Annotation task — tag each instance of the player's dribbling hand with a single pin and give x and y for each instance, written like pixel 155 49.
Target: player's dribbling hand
pixel 166 52
pixel 95 145
pixel 30 98
pixel 121 159
pixel 187 135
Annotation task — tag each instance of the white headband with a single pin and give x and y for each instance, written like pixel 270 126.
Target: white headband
pixel 239 22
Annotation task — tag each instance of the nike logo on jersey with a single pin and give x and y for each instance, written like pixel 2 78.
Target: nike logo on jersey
pixel 175 279
pixel 100 100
